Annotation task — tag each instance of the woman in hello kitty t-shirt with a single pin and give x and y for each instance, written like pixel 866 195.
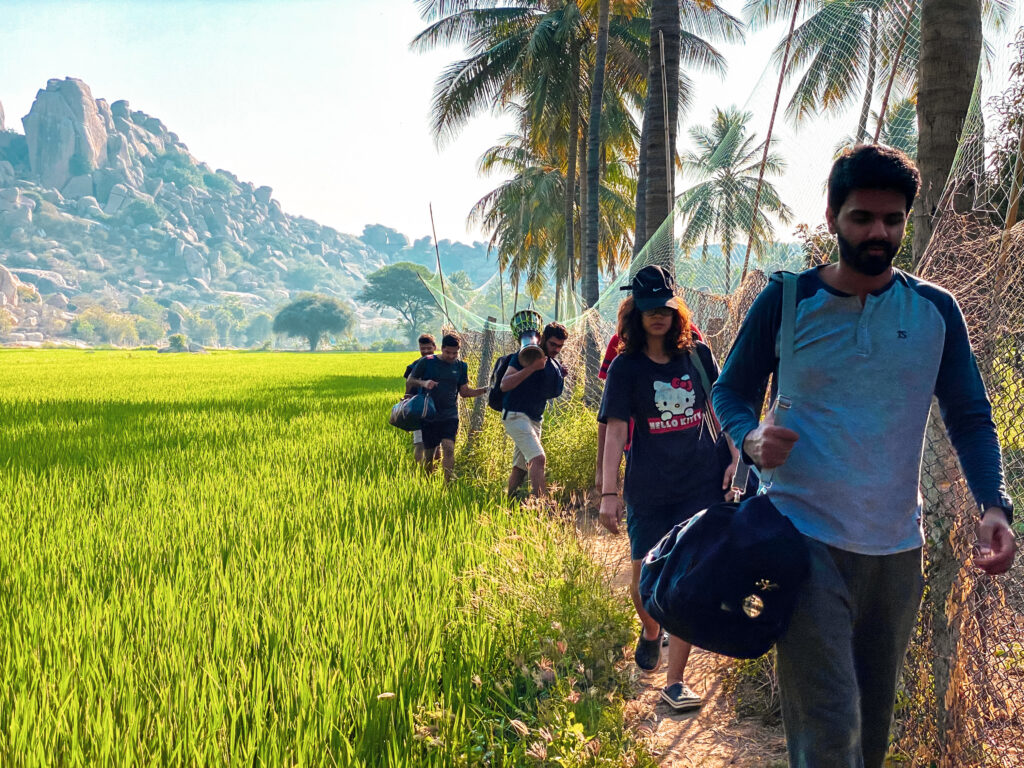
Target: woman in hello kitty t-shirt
pixel 674 468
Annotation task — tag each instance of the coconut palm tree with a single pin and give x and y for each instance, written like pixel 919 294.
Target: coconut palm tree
pixel 531 56
pixel 899 129
pixel 523 213
pixel 847 49
pixel 538 55
pixel 725 163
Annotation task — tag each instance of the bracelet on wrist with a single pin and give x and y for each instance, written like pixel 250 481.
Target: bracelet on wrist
pixel 614 493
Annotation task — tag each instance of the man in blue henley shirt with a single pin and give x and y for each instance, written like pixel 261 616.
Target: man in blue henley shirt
pixel 872 345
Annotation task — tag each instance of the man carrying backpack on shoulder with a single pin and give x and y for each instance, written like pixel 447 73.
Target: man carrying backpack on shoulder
pixel 527 391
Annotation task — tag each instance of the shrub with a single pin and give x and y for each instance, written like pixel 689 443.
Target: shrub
pixel 143 212
pixel 177 168
pixel 178 342
pixel 79 165
pixel 28 294
pixel 390 345
pixel 217 183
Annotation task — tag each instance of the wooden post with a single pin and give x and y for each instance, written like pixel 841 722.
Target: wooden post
pixel 476 420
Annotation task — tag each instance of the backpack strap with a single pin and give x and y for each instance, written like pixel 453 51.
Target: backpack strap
pixel 709 411
pixel 786 332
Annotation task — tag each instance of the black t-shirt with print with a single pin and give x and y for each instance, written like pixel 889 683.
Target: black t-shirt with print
pixel 449 377
pixel 672 456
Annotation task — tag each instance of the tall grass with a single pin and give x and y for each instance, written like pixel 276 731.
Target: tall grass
pixel 230 559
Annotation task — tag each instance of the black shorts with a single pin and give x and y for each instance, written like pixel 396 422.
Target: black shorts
pixel 646 524
pixel 436 431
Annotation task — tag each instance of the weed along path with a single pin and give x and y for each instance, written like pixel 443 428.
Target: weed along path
pixel 713 737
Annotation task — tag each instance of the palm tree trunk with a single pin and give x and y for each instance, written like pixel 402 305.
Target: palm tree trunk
pixel 570 172
pixel 869 89
pixel 590 266
pixel 640 229
pixel 664 20
pixel 583 162
pixel 558 295
pixel 947 71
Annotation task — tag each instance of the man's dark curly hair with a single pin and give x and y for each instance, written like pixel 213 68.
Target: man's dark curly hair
pixel 872 166
pixel 556 331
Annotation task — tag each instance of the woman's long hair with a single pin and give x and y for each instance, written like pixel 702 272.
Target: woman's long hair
pixel 633 337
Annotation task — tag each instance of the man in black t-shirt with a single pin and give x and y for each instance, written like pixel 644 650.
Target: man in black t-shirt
pixel 427 347
pixel 527 391
pixel 445 377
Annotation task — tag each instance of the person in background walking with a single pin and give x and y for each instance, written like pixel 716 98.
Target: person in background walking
pixel 445 377
pixel 527 391
pixel 427 347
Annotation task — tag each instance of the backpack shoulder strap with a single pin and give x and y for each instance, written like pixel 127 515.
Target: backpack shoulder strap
pixel 786 331
pixel 699 365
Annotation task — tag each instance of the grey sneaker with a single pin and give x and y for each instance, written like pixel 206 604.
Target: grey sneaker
pixel 680 697
pixel 648 653
pixel 664 638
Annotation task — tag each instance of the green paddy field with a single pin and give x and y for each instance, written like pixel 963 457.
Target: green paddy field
pixel 229 559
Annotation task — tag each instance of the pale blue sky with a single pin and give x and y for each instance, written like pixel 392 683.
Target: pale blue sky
pixel 323 101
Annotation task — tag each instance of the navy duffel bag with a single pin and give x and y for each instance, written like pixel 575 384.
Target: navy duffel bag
pixel 410 412
pixel 727 579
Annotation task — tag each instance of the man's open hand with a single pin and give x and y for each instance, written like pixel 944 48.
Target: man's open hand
pixel 769 445
pixel 996 543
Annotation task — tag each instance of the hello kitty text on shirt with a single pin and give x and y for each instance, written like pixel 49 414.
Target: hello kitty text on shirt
pixel 675 400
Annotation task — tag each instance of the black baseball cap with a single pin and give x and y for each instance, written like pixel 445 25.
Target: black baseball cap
pixel 653 287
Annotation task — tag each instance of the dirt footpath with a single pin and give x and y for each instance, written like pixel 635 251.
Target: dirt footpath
pixel 712 737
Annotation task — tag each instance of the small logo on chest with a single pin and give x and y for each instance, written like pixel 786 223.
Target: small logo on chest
pixel 901 334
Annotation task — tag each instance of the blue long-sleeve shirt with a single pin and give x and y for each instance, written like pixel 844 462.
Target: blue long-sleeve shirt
pixel 861 388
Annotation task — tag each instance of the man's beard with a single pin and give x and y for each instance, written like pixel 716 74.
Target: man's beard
pixel 859 260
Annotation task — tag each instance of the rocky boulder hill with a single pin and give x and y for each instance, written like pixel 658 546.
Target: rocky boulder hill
pixel 102 204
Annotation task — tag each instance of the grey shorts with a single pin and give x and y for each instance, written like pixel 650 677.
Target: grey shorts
pixel 525 434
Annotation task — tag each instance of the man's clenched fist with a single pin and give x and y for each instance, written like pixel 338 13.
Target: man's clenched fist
pixel 769 445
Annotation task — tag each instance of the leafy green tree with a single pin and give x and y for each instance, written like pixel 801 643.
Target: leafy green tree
pixel 312 316
pixel 202 330
pixel 721 205
pixel 150 331
pixel 460 280
pixel 147 307
pixel 260 328
pixel 401 287
pixel 178 342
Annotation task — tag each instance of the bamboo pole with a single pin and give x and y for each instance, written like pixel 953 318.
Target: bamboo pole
pixel 437 251
pixel 768 142
pixel 892 76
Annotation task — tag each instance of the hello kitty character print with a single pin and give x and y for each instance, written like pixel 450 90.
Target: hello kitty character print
pixel 676 401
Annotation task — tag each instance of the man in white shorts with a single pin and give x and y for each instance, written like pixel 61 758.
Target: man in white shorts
pixel 527 391
pixel 427 347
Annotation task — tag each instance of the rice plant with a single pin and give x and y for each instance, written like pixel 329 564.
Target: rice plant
pixel 231 559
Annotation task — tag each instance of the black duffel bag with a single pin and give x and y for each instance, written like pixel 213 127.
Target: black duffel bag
pixel 727 579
